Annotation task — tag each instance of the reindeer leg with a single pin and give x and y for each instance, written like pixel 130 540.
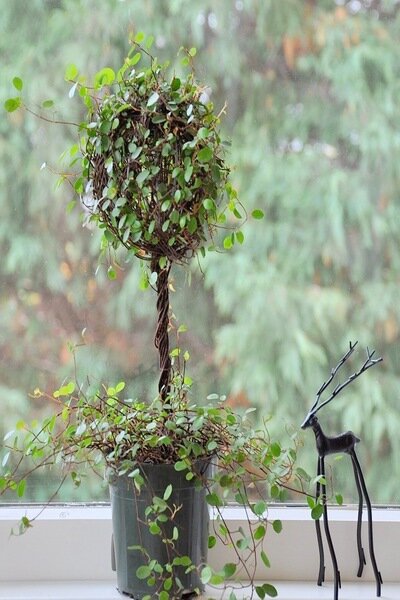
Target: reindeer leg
pixel 361 554
pixel 378 576
pixel 336 573
pixel 321 574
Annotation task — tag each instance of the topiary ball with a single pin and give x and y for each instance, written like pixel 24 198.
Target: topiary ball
pixel 154 163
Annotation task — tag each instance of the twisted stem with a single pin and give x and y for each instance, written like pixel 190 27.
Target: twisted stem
pixel 161 339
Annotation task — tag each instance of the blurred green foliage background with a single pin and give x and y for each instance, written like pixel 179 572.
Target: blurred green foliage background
pixel 312 90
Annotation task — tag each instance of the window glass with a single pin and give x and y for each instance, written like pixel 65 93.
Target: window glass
pixel 311 91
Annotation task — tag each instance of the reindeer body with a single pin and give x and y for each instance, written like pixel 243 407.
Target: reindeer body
pixel 342 443
pixel 326 445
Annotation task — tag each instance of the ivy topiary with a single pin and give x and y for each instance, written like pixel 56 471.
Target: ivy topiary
pixel 154 169
pixel 154 162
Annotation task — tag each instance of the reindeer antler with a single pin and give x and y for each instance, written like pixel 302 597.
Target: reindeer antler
pixel 369 362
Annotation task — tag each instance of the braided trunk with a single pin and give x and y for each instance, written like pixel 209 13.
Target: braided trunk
pixel 161 340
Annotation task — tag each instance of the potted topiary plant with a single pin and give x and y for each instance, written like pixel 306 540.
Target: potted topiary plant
pixel 152 176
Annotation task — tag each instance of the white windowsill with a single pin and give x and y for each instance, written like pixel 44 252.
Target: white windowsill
pixel 71 546
pixel 105 590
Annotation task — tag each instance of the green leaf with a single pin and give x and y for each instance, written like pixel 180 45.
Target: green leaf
pixel 243 543
pixel 259 508
pixel 143 572
pixel 180 465
pixel 339 499
pixel 78 185
pixel 168 492
pixel 209 204
pixel 192 52
pixel 303 474
pixel 143 175
pixel 228 242
pixel 105 76
pixel 153 99
pixel 269 590
pixel 154 529
pixel 276 449
pixel 206 575
pixel 213 499
pixel 265 559
pixel 229 570
pixel 18 83
pixel 205 154
pixel 47 103
pixel 135 58
pixel 165 205
pixel 135 150
pixel 259 532
pixel 71 72
pixel 310 501
pixel 139 37
pixel 192 226
pixel 212 445
pixel 69 388
pixel 168 583
pixel 111 273
pixel 203 132
pixel 149 41
pixel 260 591
pixel 65 390
pixel 257 214
pixel 12 104
pixel 26 523
pixel 240 237
pixel 175 84
pixel 277 525
pixel 317 511
pixel 274 491
pixel 212 541
pixel 21 488
pixel 188 173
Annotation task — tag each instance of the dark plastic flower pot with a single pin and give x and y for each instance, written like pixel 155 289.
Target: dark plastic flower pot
pixel 130 528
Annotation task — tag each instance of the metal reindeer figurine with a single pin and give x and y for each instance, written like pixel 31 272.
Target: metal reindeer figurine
pixel 345 442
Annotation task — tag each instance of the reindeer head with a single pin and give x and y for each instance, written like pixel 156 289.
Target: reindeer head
pixel 311 418
pixel 309 421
